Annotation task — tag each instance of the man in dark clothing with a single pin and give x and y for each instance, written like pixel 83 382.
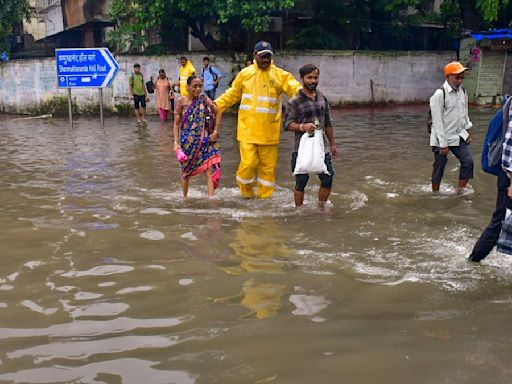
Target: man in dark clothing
pixel 491 233
pixel 489 236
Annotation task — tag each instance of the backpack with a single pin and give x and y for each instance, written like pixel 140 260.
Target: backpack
pixel 429 119
pixel 150 86
pixel 132 77
pixel 214 75
pixel 493 142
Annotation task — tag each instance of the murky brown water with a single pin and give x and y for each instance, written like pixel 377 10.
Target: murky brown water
pixel 109 277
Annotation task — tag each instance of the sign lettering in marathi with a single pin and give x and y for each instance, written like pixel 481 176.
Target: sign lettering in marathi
pixel 85 67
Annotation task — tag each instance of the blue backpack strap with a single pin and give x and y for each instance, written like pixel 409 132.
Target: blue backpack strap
pixel 214 75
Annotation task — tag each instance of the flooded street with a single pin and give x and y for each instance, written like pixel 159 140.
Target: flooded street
pixel 108 276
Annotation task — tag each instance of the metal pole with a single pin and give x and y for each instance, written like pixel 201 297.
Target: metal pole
pixel 101 106
pixel 70 109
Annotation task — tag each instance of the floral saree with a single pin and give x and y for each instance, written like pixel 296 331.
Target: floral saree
pixel 194 140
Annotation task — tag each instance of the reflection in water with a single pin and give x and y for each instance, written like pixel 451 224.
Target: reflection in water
pixel 307 305
pixel 82 349
pixel 260 249
pixel 126 371
pixel 262 299
pixel 102 270
pixel 90 328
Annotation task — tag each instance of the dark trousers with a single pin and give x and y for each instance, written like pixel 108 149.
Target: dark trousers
pixel 463 153
pixel 489 236
pixel 211 93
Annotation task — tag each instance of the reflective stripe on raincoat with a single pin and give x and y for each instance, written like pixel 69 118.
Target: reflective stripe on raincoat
pixel 260 111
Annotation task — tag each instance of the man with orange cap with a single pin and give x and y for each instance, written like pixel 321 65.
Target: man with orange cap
pixel 451 127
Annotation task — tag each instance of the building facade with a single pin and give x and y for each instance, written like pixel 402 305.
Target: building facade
pixel 75 23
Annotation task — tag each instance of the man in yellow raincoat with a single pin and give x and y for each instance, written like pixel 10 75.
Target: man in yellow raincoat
pixel 258 89
pixel 187 69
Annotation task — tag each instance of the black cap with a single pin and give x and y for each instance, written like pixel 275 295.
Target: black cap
pixel 263 47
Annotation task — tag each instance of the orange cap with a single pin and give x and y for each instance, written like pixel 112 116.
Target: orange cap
pixel 454 68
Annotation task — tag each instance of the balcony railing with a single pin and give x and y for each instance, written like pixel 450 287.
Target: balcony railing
pixel 42 6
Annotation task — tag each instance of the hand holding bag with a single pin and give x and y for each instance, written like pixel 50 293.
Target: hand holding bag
pixel 311 155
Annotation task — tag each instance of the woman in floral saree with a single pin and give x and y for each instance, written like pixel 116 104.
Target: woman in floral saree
pixel 191 135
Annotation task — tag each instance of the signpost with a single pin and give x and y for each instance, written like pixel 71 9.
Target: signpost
pixel 85 68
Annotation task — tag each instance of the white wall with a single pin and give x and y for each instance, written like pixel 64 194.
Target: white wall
pixel 345 78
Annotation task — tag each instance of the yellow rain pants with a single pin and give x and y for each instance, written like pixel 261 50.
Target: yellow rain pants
pixel 261 159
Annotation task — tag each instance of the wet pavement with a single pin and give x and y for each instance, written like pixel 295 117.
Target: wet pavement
pixel 108 276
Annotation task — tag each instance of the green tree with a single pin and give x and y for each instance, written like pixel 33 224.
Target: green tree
pixel 356 24
pixel 391 24
pixel 12 13
pixel 136 17
pixel 477 14
pixel 474 15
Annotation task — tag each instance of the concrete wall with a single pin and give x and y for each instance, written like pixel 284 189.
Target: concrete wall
pixel 30 86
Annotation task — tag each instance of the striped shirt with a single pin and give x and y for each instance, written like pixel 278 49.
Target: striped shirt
pixel 506 157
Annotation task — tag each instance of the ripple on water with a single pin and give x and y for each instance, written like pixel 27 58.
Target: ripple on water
pixel 82 349
pixel 144 288
pixel 308 305
pixel 91 328
pixel 87 296
pixel 37 308
pixel 189 236
pixel 155 211
pixel 438 259
pixel 152 235
pixel 99 309
pixel 354 200
pixel 445 191
pixel 101 270
pixel 107 284
pixel 227 203
pixel 128 371
pixel 33 264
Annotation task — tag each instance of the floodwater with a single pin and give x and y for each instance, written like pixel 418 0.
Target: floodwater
pixel 108 276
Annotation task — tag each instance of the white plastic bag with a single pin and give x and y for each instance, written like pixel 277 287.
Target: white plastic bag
pixel 311 155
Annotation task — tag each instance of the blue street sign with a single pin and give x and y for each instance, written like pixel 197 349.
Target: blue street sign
pixel 85 67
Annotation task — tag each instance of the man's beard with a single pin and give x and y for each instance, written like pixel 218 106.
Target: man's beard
pixel 311 87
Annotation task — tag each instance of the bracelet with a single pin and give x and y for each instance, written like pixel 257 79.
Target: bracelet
pixel 300 127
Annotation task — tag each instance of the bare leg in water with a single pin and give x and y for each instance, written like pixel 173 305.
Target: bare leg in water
pixel 323 195
pixel 209 183
pixel 299 198
pixel 184 185
pixel 461 186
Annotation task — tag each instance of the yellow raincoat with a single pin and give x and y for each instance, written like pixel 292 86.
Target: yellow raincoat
pixel 259 123
pixel 185 72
